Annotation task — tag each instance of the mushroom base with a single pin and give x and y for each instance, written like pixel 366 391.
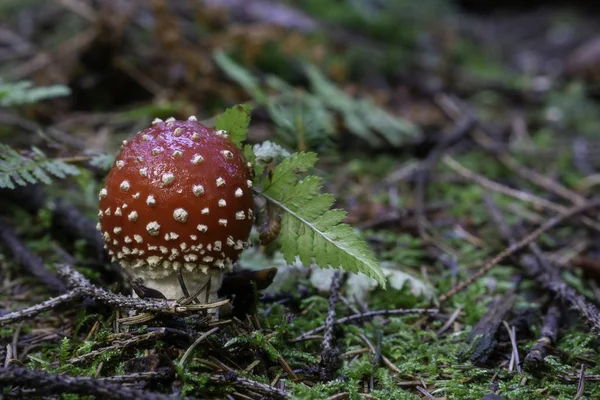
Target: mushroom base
pixel 169 285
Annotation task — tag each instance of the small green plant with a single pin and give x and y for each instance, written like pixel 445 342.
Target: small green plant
pixel 23 92
pixel 309 229
pixel 64 351
pixel 305 119
pixel 235 121
pixel 32 166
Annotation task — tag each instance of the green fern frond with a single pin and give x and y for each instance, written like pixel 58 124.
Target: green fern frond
pixel 235 121
pixel 239 74
pixel 103 161
pixel 285 174
pixel 64 351
pixel 305 120
pixel 309 228
pixel 23 92
pixel 22 170
pixel 361 116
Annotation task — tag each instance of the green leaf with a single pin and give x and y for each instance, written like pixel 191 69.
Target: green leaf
pixel 310 230
pixel 32 168
pixel 306 120
pixel 285 173
pixel 240 75
pixel 235 121
pixel 302 120
pixel 362 117
pixel 23 92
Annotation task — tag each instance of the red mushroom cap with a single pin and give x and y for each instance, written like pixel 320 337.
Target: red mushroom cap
pixel 178 195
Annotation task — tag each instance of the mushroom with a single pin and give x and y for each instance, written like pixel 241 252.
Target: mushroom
pixel 178 200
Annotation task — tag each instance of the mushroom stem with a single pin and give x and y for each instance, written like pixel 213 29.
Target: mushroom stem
pixel 169 285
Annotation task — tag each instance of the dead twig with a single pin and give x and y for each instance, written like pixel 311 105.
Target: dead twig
pixel 518 194
pixel 548 336
pixel 330 357
pixel 581 383
pixel 146 337
pixel 540 180
pixel 196 343
pixel 33 264
pixel 83 288
pixel 139 376
pixel 268 12
pixel 520 245
pixel 456 110
pixel 248 384
pixel 25 381
pixel 538 268
pixel 483 335
pixel 449 323
pixel 422 173
pixel 514 356
pixel 366 315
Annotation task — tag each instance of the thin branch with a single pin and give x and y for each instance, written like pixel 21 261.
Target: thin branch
pixel 548 336
pixel 540 180
pixel 136 377
pixel 37 309
pixel 422 173
pixel 23 380
pixel 581 383
pixel 497 187
pixel 83 288
pixel 367 315
pixel 538 269
pixel 498 219
pixel 32 264
pixel 514 358
pixel 329 357
pixel 269 391
pixel 456 110
pixel 196 343
pixel 146 337
pixel 520 245
pixel 268 12
pixel 518 194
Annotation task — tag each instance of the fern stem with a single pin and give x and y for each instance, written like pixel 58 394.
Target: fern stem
pixel 74 159
pixel 295 215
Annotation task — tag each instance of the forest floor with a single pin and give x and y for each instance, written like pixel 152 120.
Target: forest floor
pixel 465 148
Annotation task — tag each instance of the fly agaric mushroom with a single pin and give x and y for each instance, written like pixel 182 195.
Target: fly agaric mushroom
pixel 178 198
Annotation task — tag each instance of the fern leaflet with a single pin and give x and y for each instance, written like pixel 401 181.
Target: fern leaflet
pixel 235 121
pixel 35 167
pixel 23 92
pixel 103 161
pixel 309 228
